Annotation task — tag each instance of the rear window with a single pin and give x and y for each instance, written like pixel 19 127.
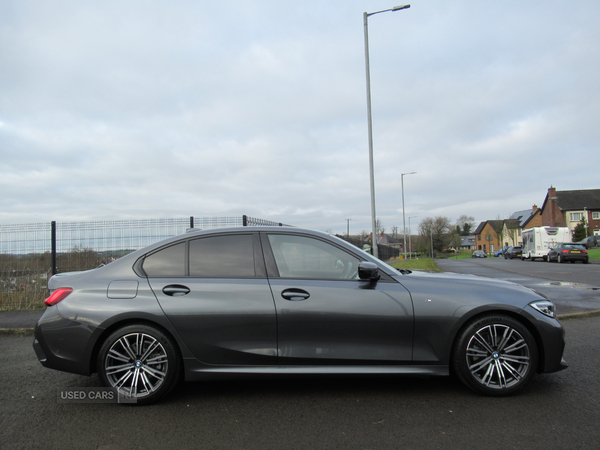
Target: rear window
pixel 574 247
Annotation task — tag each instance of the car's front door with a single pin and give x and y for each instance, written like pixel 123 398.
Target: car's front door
pixel 325 314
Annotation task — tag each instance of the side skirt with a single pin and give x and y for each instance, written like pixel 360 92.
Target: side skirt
pixel 195 371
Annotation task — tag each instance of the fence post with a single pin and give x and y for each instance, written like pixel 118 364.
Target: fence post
pixel 191 221
pixel 53 241
pixel 245 220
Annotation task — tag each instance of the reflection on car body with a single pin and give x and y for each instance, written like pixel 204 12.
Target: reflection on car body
pixel 277 300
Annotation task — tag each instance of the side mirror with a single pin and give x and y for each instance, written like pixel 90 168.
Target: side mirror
pixel 368 271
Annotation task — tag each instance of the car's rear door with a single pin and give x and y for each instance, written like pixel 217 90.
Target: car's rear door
pixel 220 303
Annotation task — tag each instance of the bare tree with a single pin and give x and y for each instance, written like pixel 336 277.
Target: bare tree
pixel 437 229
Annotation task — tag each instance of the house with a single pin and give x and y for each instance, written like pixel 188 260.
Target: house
pixel 489 235
pixel 568 208
pixel 493 235
pixel 467 243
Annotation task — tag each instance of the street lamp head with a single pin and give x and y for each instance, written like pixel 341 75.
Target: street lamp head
pixel 398 8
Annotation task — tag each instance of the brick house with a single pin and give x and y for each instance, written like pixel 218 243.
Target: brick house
pixel 568 208
pixel 493 235
pixel 488 236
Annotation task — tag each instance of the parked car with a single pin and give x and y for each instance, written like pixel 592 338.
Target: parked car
pixel 568 252
pixel 499 252
pixel 288 301
pixel 590 241
pixel 513 252
pixel 479 254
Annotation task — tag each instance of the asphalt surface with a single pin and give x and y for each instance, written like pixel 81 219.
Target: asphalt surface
pixel 560 410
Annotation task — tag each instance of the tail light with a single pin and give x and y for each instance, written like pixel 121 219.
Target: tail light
pixel 565 251
pixel 57 296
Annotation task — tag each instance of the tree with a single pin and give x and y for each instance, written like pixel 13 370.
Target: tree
pixel 439 229
pixel 580 231
pixel 464 225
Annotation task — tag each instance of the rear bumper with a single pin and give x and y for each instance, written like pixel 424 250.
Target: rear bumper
pixel 61 344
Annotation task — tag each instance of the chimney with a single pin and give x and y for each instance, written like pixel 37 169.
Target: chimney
pixel 552 192
pixel 535 208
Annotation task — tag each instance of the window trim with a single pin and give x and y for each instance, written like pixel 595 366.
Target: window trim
pixel 273 271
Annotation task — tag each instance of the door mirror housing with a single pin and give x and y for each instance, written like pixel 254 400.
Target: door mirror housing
pixel 368 271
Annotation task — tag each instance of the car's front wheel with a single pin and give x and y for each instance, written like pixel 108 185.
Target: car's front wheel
pixel 140 361
pixel 495 355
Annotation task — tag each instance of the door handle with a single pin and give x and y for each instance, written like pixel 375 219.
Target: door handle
pixel 295 295
pixel 176 290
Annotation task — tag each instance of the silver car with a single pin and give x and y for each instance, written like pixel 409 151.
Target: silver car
pixel 283 301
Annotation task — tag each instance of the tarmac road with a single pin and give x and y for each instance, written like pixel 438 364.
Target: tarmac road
pixel 560 410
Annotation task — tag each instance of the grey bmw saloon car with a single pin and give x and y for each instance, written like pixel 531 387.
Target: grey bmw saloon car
pixel 281 301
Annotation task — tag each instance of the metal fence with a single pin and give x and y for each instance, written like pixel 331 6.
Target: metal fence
pixel 31 253
pixel 384 252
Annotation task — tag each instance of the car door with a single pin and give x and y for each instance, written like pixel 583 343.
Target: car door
pixel 215 292
pixel 325 314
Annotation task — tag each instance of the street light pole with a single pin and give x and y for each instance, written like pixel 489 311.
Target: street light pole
pixel 348 228
pixel 370 122
pixel 403 214
pixel 410 234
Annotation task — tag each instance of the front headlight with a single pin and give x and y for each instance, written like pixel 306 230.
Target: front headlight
pixel 546 307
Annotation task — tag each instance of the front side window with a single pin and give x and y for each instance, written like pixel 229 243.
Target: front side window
pixel 230 256
pixel 309 258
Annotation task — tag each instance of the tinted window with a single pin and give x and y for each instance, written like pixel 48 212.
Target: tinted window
pixel 168 262
pixel 222 257
pixel 304 257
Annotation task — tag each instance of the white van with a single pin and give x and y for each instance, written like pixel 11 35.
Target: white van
pixel 538 241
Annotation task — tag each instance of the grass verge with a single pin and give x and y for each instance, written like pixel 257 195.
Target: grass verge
pixel 417 264
pixel 594 253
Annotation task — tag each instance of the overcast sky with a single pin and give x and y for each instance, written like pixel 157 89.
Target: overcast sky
pixel 153 109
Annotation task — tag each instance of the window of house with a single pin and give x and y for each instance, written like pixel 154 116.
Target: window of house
pixel 596 215
pixel 479 238
pixel 576 217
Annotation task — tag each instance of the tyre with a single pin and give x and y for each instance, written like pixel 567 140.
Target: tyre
pixel 495 355
pixel 558 259
pixel 141 362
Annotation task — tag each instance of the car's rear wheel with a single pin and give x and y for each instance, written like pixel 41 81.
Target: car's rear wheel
pixel 140 361
pixel 495 355
pixel 558 259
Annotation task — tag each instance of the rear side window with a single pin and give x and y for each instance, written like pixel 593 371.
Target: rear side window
pixel 222 257
pixel 168 262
